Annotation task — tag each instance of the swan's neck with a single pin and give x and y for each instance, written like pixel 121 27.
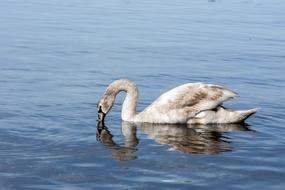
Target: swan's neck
pixel 130 103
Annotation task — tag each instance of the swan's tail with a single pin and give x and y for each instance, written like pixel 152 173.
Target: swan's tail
pixel 222 115
pixel 244 114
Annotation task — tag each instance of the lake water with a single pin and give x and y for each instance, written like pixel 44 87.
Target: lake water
pixel 57 58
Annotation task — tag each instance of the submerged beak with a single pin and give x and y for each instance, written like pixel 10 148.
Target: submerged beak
pixel 101 115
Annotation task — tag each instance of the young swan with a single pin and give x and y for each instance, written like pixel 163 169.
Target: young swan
pixel 193 103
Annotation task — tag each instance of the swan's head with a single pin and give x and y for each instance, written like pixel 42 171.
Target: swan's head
pixel 104 105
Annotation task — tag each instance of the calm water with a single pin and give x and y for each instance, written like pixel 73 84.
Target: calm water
pixel 57 57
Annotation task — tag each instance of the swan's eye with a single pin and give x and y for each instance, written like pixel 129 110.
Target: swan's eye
pixel 100 109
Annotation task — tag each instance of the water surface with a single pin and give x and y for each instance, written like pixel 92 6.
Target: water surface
pixel 57 57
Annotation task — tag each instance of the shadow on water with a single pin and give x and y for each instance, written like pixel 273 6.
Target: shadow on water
pixel 197 139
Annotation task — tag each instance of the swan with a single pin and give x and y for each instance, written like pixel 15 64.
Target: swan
pixel 191 103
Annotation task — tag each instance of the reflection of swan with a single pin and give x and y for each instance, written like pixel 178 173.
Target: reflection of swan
pixel 200 139
pixel 188 103
pixel 118 151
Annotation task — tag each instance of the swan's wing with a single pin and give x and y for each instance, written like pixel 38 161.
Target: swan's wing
pixel 191 98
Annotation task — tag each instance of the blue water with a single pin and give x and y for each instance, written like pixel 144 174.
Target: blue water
pixel 57 58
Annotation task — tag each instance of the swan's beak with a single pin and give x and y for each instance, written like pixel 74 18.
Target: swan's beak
pixel 101 115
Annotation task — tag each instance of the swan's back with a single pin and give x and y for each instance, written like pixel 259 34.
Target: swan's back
pixel 183 102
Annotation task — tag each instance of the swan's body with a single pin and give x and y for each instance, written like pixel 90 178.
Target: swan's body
pixel 189 103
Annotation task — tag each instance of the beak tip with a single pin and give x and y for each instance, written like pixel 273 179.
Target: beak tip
pixel 101 117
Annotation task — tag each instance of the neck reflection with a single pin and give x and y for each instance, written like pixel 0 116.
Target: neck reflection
pixel 121 152
pixel 197 139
